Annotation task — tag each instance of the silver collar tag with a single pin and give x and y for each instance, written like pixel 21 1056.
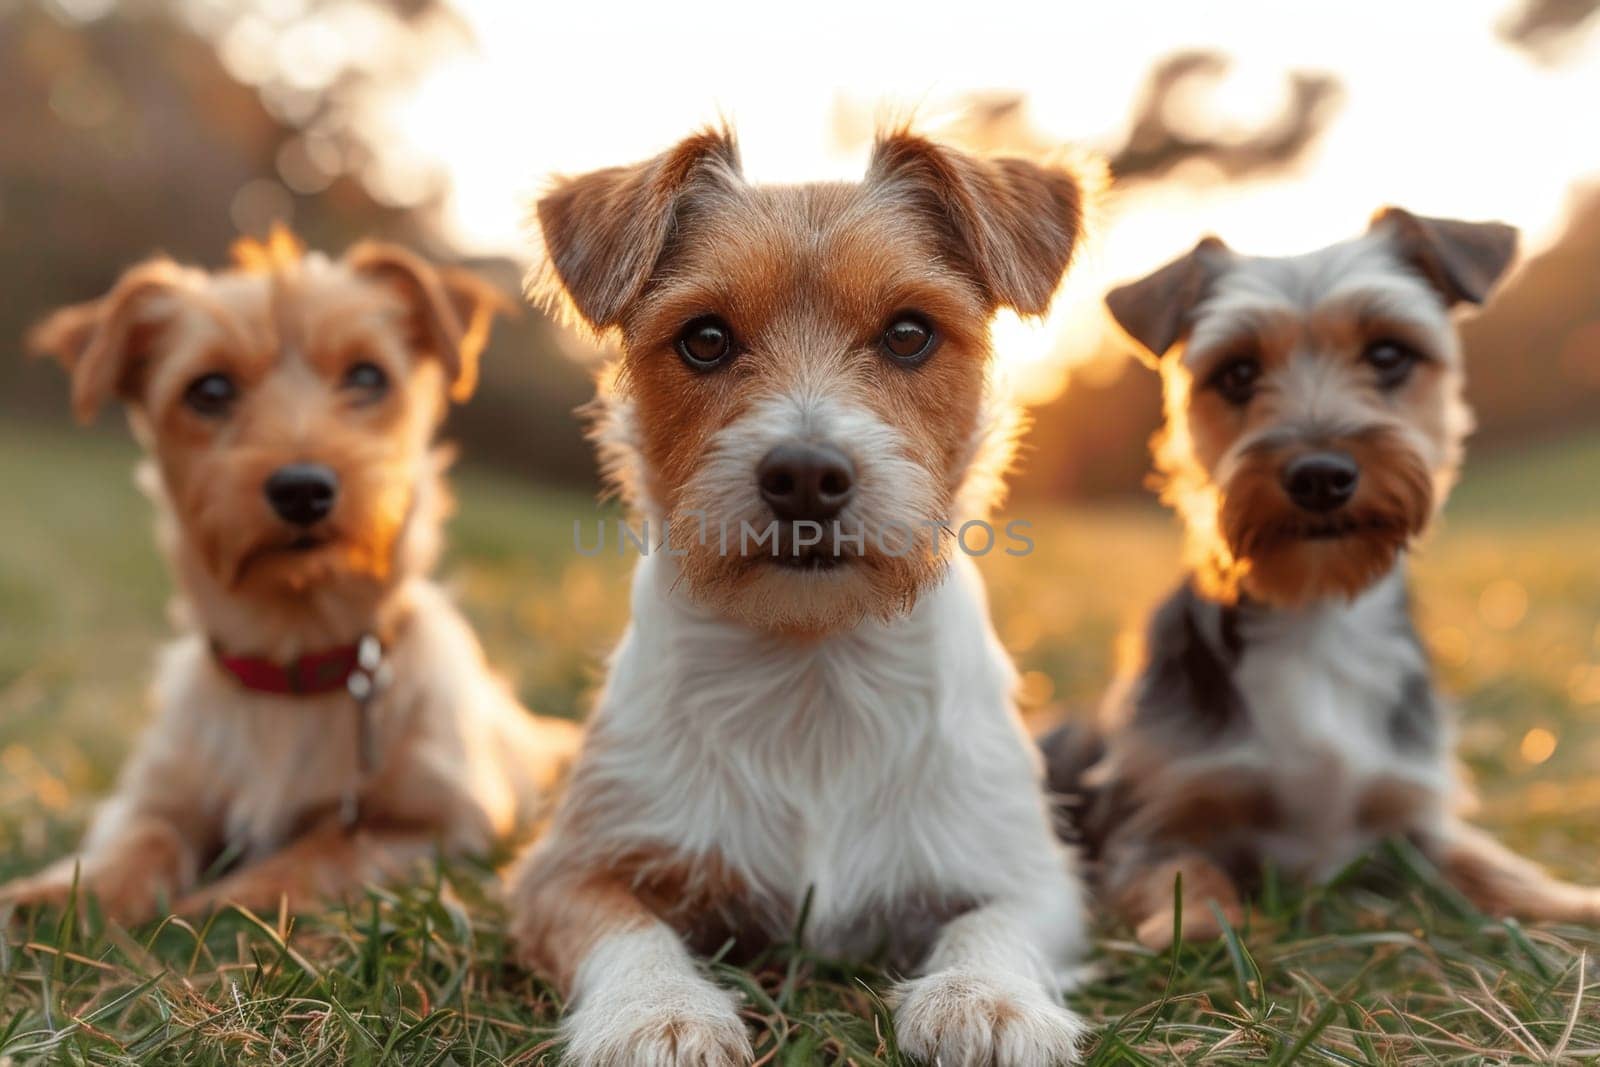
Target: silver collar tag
pixel 370 677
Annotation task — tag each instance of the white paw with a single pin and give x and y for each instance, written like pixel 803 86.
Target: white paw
pixel 672 1021
pixel 960 1018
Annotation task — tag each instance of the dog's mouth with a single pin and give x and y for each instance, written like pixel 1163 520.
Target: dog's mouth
pixel 298 545
pixel 808 561
pixel 1328 529
pixel 1339 527
pixel 792 550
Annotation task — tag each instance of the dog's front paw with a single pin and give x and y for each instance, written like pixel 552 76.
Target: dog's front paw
pixel 1200 923
pixel 960 1018
pixel 126 893
pixel 261 889
pixel 49 888
pixel 678 1021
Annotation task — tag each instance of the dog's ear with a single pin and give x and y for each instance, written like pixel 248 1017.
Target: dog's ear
pixel 602 234
pixel 1462 260
pixel 476 302
pixel 1157 310
pixel 1013 223
pixel 451 310
pixel 65 333
pixel 104 344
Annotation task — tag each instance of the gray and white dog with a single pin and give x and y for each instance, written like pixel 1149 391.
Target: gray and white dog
pixel 1284 712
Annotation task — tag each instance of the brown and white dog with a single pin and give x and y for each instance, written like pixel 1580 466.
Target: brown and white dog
pixel 821 722
pixel 1285 712
pixel 326 717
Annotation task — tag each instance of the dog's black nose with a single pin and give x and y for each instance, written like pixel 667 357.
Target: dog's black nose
pixel 1321 481
pixel 302 493
pixel 806 482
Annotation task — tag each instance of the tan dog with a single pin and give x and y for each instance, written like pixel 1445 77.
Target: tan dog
pixel 327 717
pixel 1285 711
pixel 810 714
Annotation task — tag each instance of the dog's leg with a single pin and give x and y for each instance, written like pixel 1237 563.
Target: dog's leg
pixel 144 847
pixel 132 864
pixel 989 991
pixel 326 864
pixel 1500 882
pixel 634 994
pixel 1145 899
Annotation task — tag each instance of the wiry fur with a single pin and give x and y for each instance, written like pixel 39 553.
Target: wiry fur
pixel 769 737
pixel 458 765
pixel 747 767
pixel 1284 712
pixel 1309 317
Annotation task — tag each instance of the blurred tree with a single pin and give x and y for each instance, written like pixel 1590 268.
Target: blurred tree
pixel 1533 356
pixel 1547 28
pixel 1155 144
pixel 127 135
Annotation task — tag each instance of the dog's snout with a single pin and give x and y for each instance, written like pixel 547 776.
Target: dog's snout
pixel 1321 481
pixel 806 481
pixel 302 493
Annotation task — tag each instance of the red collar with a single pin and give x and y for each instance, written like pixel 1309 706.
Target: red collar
pixel 312 674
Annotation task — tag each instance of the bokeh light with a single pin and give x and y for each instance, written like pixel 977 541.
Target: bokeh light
pixel 1503 604
pixel 1537 745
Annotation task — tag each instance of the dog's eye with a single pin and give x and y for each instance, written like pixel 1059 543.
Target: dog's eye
pixel 909 339
pixel 706 343
pixel 1392 360
pixel 1236 380
pixel 211 395
pixel 367 377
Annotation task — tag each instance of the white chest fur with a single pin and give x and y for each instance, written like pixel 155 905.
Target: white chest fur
pixel 1322 688
pixel 872 769
pixel 258 764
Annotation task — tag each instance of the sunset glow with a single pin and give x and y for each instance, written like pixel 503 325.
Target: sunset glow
pixel 1434 112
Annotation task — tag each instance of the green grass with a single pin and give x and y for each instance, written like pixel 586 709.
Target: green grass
pixel 1388 968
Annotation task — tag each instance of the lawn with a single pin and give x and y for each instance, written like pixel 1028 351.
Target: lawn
pixel 1386 968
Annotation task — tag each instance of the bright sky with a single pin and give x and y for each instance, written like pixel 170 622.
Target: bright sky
pixel 1438 114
